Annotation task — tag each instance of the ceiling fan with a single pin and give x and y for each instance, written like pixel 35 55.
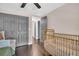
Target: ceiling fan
pixel 36 4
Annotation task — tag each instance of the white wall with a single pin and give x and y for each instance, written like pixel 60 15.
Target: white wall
pixel 65 19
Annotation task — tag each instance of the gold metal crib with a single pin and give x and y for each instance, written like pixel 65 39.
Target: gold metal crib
pixel 58 44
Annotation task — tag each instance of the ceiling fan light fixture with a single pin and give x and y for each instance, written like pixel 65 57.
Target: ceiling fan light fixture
pixel 36 4
pixel 23 5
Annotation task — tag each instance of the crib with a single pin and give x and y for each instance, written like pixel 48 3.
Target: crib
pixel 60 44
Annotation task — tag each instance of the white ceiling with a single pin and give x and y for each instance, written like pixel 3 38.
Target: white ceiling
pixel 30 8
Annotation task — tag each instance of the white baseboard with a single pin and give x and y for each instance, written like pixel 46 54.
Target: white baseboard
pixel 30 43
pixel 21 44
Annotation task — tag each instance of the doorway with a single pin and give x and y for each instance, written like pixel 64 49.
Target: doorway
pixel 36 28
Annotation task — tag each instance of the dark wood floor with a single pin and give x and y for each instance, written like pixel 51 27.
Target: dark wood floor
pixel 25 50
pixel 36 49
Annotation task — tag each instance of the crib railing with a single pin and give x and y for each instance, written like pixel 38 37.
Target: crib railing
pixel 63 44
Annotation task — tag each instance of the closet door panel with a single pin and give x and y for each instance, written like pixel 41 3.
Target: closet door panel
pixel 1 22
pixel 10 26
pixel 22 30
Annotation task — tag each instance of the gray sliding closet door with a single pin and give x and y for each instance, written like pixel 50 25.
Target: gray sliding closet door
pixel 15 27
pixel 23 30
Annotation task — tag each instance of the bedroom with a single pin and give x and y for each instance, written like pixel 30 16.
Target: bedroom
pixel 17 24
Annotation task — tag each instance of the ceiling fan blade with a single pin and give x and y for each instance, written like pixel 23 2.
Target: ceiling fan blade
pixel 23 5
pixel 37 5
